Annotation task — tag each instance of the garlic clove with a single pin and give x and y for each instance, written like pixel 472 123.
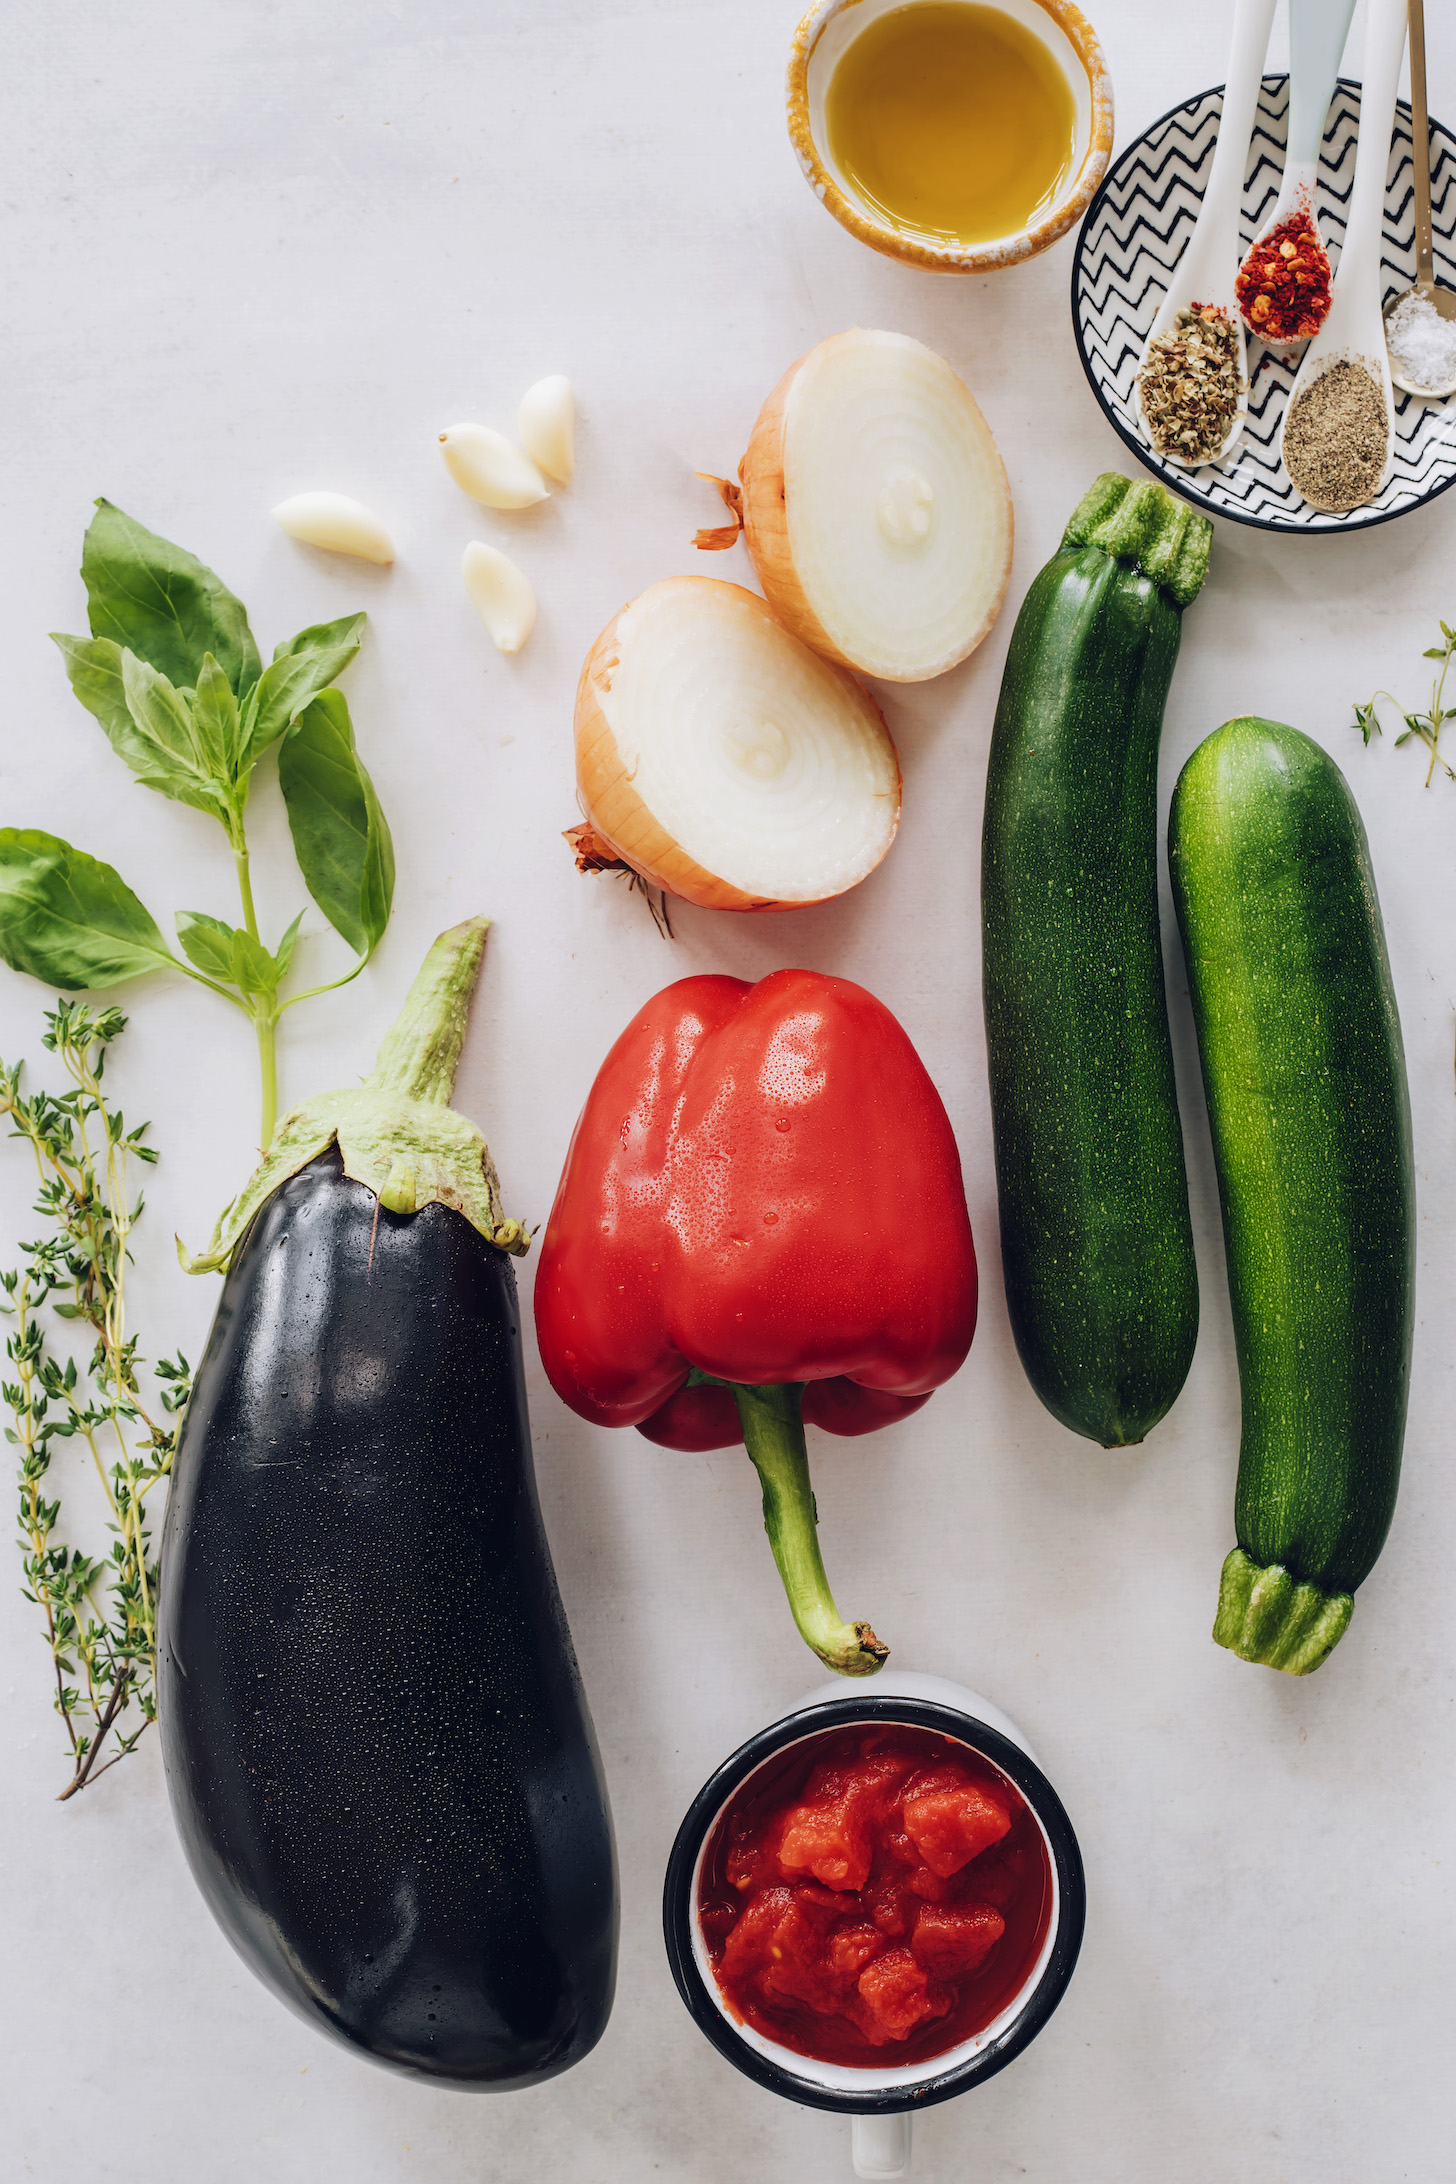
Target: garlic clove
pixel 491 468
pixel 500 595
pixel 337 523
pixel 546 423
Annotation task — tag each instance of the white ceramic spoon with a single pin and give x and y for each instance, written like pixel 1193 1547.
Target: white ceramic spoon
pixel 1210 262
pixel 1317 33
pixel 1355 328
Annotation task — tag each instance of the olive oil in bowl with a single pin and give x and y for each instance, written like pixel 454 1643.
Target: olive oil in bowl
pixel 951 122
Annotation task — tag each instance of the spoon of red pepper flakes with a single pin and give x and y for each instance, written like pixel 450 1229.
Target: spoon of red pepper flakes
pixel 761 1224
pixel 1283 286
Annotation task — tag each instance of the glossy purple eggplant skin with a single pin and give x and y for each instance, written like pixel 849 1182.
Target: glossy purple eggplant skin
pixel 377 1745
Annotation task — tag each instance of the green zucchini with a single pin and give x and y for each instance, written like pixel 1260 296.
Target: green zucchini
pixel 1305 1074
pixel 1096 1242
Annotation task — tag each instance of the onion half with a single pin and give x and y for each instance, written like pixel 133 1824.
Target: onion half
pixel 723 760
pixel 876 507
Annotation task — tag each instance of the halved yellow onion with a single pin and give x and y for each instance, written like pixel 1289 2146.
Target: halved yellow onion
pixel 876 507
pixel 724 760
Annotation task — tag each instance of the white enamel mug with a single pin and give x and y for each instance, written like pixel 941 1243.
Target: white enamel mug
pixel 881 2101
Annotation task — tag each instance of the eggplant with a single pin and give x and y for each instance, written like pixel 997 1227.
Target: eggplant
pixel 377 1746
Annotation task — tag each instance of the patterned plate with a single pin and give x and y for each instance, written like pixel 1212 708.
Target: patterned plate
pixel 1134 233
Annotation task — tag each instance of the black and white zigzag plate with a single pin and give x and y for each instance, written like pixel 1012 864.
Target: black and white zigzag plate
pixel 1133 235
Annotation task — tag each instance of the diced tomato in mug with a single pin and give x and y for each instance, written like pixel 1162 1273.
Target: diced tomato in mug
pixel 950 1943
pixel 833 1836
pixel 928 1886
pixel 896 1996
pixel 852 1948
pixel 760 1932
pixel 950 1827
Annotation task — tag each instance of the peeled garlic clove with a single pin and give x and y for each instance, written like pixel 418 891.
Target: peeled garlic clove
pixel 500 595
pixel 337 523
pixel 491 468
pixel 546 423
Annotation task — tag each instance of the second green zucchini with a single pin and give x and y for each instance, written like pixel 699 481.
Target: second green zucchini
pixel 1307 1102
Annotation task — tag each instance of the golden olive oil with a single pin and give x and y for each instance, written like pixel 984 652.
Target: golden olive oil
pixel 951 121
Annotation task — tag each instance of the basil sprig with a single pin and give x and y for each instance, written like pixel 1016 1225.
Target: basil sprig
pixel 173 676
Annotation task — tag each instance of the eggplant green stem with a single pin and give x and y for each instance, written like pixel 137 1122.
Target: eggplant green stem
pixel 773 1429
pixel 421 1051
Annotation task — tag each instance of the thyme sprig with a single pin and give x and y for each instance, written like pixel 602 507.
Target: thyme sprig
pixel 99 1610
pixel 1424 727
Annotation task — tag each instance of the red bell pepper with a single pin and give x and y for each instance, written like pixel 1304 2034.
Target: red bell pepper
pixel 761 1220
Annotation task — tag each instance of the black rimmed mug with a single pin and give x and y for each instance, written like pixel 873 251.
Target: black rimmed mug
pixel 880 2101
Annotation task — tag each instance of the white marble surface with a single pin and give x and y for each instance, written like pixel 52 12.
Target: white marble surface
pixel 254 248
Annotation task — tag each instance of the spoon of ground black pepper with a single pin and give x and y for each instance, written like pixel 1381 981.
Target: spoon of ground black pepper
pixel 1339 426
pixel 1193 383
pixel 1421 346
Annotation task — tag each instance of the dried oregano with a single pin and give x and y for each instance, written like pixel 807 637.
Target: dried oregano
pixel 1190 384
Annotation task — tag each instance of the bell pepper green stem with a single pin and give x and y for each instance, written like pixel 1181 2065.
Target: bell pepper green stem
pixel 773 1429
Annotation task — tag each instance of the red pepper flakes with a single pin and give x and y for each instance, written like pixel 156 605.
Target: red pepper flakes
pixel 1283 286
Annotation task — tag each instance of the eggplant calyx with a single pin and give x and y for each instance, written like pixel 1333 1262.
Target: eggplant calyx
pixel 396 1134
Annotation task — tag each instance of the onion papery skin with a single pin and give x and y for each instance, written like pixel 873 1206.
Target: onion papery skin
pixel 608 778
pixel 885 452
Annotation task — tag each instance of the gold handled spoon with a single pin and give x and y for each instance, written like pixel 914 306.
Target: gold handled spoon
pixel 1442 300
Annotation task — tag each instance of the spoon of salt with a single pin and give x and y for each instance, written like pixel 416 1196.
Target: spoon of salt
pixel 1317 33
pixel 1441 300
pixel 1354 330
pixel 1205 272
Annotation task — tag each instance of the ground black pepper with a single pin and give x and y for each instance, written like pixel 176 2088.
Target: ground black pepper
pixel 1335 438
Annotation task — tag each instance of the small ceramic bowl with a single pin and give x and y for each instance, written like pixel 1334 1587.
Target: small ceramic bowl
pixel 880 2101
pixel 1066 33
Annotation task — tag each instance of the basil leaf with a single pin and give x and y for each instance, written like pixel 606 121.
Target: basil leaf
pixel 340 836
pixel 286 947
pixel 253 967
pixel 325 637
pixel 161 603
pixel 215 721
pixel 300 669
pixel 166 755
pixel 94 665
pixel 149 724
pixel 207 942
pixel 69 919
pixel 224 951
pixel 160 712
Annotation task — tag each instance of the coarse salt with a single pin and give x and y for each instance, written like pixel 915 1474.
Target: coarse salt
pixel 1422 344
